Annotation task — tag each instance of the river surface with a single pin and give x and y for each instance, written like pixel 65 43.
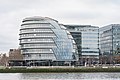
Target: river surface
pixel 59 76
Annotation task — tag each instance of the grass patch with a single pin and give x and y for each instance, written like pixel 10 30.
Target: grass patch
pixel 58 70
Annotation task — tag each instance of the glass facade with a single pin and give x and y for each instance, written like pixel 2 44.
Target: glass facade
pixel 110 39
pixel 42 38
pixel 87 40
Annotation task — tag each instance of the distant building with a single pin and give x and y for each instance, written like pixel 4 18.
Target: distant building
pixel 15 57
pixel 110 41
pixel 87 40
pixel 44 42
pixel 15 54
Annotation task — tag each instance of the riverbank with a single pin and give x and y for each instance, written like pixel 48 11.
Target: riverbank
pixel 57 70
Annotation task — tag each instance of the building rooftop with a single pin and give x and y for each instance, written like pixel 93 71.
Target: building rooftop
pixel 37 18
pixel 80 26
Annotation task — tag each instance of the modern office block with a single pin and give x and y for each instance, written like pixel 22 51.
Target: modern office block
pixel 87 40
pixel 110 39
pixel 44 42
pixel 110 44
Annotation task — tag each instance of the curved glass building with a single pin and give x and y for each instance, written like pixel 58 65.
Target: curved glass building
pixel 45 42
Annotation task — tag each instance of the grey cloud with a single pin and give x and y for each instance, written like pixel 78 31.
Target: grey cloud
pixel 81 15
pixel 94 12
pixel 6 43
pixel 99 2
pixel 16 5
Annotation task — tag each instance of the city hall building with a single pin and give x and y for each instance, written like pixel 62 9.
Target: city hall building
pixel 87 40
pixel 43 42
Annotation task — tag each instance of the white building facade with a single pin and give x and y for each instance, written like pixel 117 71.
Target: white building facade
pixel 44 42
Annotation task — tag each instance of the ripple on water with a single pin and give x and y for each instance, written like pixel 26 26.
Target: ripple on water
pixel 60 76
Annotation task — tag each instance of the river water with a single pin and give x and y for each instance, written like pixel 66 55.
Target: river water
pixel 59 76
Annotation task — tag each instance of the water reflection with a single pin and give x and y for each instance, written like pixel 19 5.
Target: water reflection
pixel 60 76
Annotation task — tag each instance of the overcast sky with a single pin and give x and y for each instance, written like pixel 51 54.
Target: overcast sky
pixel 88 12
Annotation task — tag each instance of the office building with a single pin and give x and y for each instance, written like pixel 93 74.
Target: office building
pixel 44 42
pixel 110 42
pixel 15 57
pixel 87 40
